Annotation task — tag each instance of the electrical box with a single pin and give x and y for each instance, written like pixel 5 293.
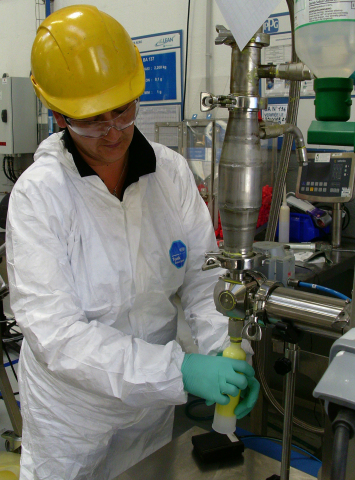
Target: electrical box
pixel 18 119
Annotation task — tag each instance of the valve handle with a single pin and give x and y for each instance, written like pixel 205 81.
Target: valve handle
pixel 253 323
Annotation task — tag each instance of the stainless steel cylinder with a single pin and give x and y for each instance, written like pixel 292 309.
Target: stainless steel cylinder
pixel 337 225
pixel 244 70
pixel 239 193
pixel 307 311
pixel 240 189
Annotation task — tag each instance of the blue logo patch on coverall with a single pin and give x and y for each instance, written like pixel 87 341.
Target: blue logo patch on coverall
pixel 178 253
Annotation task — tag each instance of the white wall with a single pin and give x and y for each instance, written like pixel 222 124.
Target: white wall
pixel 18 26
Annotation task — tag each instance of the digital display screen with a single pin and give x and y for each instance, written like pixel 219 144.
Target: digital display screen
pixel 318 171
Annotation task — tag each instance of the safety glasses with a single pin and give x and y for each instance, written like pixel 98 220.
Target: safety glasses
pixel 98 128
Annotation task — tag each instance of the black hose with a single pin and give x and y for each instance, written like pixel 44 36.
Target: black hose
pixel 343 425
pixel 340 452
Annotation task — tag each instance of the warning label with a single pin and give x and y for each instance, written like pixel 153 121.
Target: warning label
pixel 314 11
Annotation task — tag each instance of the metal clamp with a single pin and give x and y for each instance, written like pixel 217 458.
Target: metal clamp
pixel 263 294
pixel 208 102
pixel 343 319
pixel 252 324
pixel 233 263
pixel 225 36
pixel 260 278
pixel 211 262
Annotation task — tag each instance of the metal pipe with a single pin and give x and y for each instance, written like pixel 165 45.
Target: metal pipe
pixel 239 194
pixel 275 130
pixel 299 141
pixel 288 71
pixel 307 311
pixel 292 353
pixel 211 195
pixel 336 225
pixel 208 45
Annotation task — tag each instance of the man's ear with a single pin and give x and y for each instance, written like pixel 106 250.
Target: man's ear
pixel 60 120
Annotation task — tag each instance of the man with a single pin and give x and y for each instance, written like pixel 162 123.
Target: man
pixel 103 230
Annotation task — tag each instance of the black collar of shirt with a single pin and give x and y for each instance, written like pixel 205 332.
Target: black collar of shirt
pixel 141 160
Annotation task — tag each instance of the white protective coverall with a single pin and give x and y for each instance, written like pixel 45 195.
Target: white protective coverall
pixel 92 281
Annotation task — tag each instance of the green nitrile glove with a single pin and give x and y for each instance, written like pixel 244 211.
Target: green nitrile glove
pixel 213 378
pixel 250 397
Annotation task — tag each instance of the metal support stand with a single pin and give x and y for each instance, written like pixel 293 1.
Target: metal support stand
pixel 292 353
pixel 6 390
pixel 337 223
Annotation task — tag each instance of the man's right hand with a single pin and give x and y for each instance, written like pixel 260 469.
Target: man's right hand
pixel 213 378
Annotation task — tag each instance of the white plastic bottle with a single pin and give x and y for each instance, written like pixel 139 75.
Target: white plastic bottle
pixel 224 420
pixel 325 36
pixel 284 221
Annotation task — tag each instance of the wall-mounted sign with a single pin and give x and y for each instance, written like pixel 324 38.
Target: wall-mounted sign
pixel 160 77
pixel 162 59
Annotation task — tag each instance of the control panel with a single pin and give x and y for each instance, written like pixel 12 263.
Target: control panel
pixel 18 119
pixel 328 177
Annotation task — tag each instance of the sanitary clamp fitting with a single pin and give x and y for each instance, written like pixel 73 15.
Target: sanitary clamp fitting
pixel 208 102
pixel 343 319
pixel 263 294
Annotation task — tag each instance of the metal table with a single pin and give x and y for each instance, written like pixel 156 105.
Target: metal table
pixel 176 461
pixel 330 275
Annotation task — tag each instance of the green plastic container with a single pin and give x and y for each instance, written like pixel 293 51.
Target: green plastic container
pixel 333 98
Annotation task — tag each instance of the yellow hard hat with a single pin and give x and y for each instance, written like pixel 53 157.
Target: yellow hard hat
pixel 84 63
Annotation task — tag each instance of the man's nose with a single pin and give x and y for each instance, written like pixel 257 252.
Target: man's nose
pixel 113 133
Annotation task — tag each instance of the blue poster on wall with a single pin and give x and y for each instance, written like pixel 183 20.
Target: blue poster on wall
pixel 162 60
pixel 162 98
pixel 160 77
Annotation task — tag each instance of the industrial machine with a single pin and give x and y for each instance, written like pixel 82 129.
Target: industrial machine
pixel 328 177
pixel 244 294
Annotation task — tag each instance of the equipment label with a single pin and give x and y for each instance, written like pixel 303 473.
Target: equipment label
pixel 314 11
pixel 275 113
pixel 345 192
pixel 178 253
pixel 322 158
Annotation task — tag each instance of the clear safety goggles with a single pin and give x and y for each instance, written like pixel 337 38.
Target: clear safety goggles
pixel 100 128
